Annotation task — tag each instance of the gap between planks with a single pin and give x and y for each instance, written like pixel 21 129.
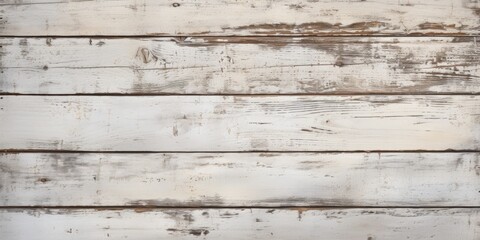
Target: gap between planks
pixel 286 207
pixel 242 36
pixel 245 95
pixel 13 151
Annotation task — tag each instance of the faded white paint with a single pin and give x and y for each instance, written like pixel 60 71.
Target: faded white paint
pixel 232 17
pixel 338 224
pixel 232 64
pixel 240 179
pixel 240 123
pixel 239 65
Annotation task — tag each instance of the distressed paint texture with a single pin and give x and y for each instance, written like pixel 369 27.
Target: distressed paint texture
pixel 302 223
pixel 240 65
pixel 240 123
pixel 259 159
pixel 230 17
pixel 240 179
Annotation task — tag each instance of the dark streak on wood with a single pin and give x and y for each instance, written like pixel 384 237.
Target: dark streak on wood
pixel 43 180
pixel 195 232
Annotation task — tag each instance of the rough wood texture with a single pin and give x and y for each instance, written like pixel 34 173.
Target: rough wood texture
pixel 231 17
pixel 240 65
pixel 305 223
pixel 240 179
pixel 240 123
pixel 397 75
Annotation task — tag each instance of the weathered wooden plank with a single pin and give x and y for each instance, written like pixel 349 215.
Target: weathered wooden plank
pixel 231 17
pixel 239 65
pixel 338 224
pixel 240 123
pixel 240 179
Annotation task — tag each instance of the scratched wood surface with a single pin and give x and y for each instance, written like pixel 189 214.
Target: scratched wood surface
pixel 226 119
pixel 231 17
pixel 240 123
pixel 240 65
pixel 240 179
pixel 304 223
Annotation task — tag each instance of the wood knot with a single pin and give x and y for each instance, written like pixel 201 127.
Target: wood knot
pixel 176 4
pixel 145 55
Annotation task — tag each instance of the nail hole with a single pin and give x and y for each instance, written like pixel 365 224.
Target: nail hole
pixel 43 180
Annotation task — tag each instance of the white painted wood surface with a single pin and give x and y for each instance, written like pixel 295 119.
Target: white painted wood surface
pixel 230 17
pixel 396 49
pixel 240 179
pixel 240 123
pixel 338 224
pixel 240 65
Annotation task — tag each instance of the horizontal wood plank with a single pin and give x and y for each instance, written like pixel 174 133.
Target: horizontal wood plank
pixel 338 224
pixel 240 65
pixel 240 179
pixel 240 123
pixel 231 17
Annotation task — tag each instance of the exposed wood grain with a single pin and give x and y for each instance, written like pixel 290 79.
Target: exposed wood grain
pixel 239 65
pixel 240 48
pixel 231 17
pixel 338 224
pixel 240 179
pixel 240 123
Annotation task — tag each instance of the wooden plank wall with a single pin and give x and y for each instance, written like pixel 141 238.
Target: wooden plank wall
pixel 225 119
